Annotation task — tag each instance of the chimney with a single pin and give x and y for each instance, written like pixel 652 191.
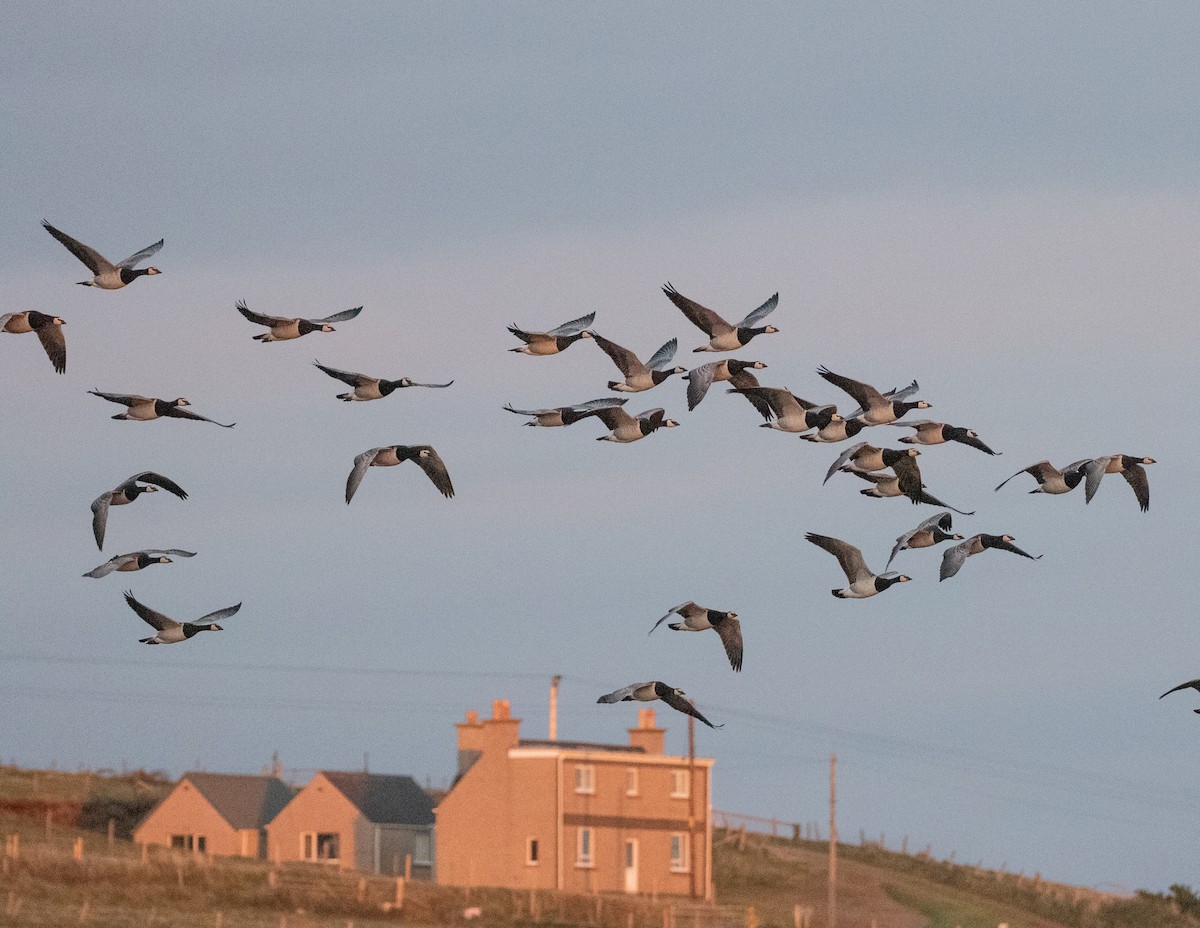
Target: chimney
pixel 470 741
pixel 554 707
pixel 650 739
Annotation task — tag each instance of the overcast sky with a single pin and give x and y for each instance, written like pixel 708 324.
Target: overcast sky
pixel 999 201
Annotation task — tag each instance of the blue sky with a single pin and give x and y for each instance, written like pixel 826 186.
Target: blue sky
pixel 999 202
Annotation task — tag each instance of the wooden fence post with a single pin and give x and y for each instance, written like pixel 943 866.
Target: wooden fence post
pixel 219 920
pixel 112 832
pixel 83 912
pixel 145 853
pixel 77 851
pixel 272 878
pixel 751 918
pixel 398 902
pixel 49 819
pixel 408 866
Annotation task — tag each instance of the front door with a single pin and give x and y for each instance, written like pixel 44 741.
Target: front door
pixel 631 865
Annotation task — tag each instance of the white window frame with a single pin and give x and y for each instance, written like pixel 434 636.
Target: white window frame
pixel 631 781
pixel 315 837
pixel 681 783
pixel 585 840
pixel 533 851
pixel 681 863
pixel 418 859
pixel 585 779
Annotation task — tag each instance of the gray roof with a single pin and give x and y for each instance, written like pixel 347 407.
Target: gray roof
pixel 243 801
pixel 384 799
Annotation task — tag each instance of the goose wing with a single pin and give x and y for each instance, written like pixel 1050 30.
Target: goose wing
pixel 139 256
pixel 663 356
pixel 413 383
pixel 848 556
pixel 624 693
pixel 974 441
pixel 338 317
pixel 954 557
pixel 932 500
pixel 627 362
pixel 574 327
pixel 1009 546
pixel 347 377
pixel 1040 471
pixel 178 412
pixel 55 344
pixel 154 619
pixel 942 520
pixel 730 631
pixel 677 609
pixel 1190 685
pixel 361 463
pixel 259 318
pixel 685 706
pixel 163 551
pixel 96 262
pixel 863 393
pixel 702 317
pixel 842 459
pixel 110 565
pixel 757 315
pixel 612 416
pixel 435 469
pixel 214 617
pixel 896 395
pixel 654 416
pixel 699 380
pixel 1093 472
pixel 100 517
pixel 124 399
pixel 909 475
pixel 149 476
pixel 1135 476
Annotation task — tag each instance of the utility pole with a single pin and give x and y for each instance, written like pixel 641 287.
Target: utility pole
pixel 832 841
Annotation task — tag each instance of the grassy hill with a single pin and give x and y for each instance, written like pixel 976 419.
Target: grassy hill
pixel 118 886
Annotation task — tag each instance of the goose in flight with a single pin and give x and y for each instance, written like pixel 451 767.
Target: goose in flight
pixel 863 583
pixel 49 332
pixel 168 631
pixel 648 692
pixel 137 560
pixel 555 340
pixel 701 378
pixel 639 376
pixel 558 416
pixel 838 429
pixel 390 455
pixel 370 388
pixel 108 276
pixel 699 619
pixel 127 492
pixel 1050 479
pixel 956 556
pixel 786 412
pixel 721 335
pixel 284 328
pixel 929 432
pixel 626 428
pixel 887 486
pixel 146 408
pixel 877 408
pixel 1128 467
pixel 1190 685
pixel 862 456
pixel 932 531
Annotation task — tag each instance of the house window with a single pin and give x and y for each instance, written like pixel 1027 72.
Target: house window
pixel 422 850
pixel 679 852
pixel 321 846
pixel 188 843
pixel 583 848
pixel 585 779
pixel 531 851
pixel 200 844
pixel 679 784
pixel 631 781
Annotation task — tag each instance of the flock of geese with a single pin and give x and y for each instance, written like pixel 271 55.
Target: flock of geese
pixel 890 472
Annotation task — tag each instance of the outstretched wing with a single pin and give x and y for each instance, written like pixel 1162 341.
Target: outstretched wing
pixel 435 469
pixel 139 256
pixel 1135 476
pixel 627 362
pixel 96 262
pixel 863 393
pixel 175 551
pixel 909 475
pixel 100 517
pixel 339 317
pixel 156 620
pixel 574 327
pixel 669 614
pixel 954 558
pixel 178 412
pixel 148 476
pixel 848 556
pixel 55 343
pixel 624 693
pixel 1190 685
pixel 685 706
pixel 730 631
pixel 842 459
pixel 213 617
pixel 110 565
pixel 699 380
pixel 258 318
pixel 1040 471
pixel 663 356
pixel 361 463
pixel 346 377
pixel 124 399
pixel 1094 471
pixel 702 317
pixel 413 383
pixel 1009 546
pixel 755 316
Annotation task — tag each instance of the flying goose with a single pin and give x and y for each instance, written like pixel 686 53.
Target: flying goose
pixel 127 492
pixel 861 456
pixel 639 376
pixel 137 560
pixel 626 428
pixel 1128 467
pixel 701 378
pixel 648 692
pixel 556 340
pixel 108 276
pixel 567 415
pixel 721 335
pixel 838 429
pixel 1050 479
pixel 788 412
pixel 932 531
pixel 390 455
pixel 168 631
pixel 284 328
pixel 863 583
pixel 956 556
pixel 145 408
pixel 896 393
pixel 877 408
pixel 929 432
pixel 699 619
pixel 887 486
pixel 370 388
pixel 1190 685
pixel 49 332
